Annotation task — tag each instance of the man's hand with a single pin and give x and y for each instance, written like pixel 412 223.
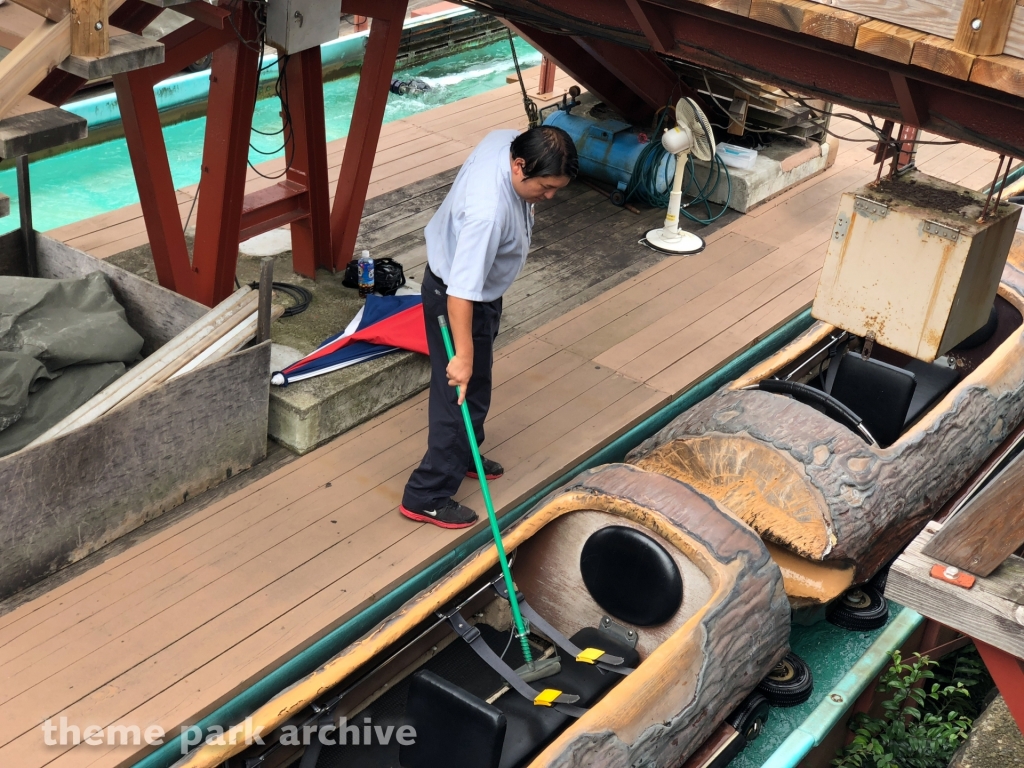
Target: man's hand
pixel 460 367
pixel 459 373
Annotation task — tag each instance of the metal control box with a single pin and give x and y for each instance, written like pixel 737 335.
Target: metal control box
pixel 297 25
pixel 910 264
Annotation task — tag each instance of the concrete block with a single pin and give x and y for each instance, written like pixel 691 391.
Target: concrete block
pixel 782 165
pixel 308 413
pixel 995 741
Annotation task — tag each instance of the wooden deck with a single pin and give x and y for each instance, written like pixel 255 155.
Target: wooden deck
pixel 171 628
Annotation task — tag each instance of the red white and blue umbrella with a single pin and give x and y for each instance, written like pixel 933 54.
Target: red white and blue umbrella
pixel 385 324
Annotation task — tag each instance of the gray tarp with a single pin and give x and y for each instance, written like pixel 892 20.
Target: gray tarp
pixel 61 341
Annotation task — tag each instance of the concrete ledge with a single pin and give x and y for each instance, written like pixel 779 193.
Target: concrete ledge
pixel 308 413
pixel 128 52
pixel 995 741
pixel 782 165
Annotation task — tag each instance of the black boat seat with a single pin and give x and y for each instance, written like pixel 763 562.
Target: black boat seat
pixel 528 727
pixel 877 392
pixel 631 576
pixel 934 381
pixel 453 727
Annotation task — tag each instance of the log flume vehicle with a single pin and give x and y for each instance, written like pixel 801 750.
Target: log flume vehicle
pixel 837 485
pixel 677 602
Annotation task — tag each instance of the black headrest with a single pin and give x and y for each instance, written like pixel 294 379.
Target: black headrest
pixel 453 727
pixel 877 392
pixel 631 576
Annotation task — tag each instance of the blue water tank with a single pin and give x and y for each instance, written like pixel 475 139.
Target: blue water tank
pixel 609 149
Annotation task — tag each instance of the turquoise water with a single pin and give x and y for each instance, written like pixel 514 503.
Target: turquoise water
pixel 93 180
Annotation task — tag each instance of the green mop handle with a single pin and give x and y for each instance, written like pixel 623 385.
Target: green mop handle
pixel 512 599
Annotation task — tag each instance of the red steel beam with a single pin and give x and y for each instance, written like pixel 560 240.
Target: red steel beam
pixel 145 139
pixel 571 57
pixel 367 118
pixel 307 161
pixel 272 207
pixel 642 71
pixel 225 157
pixel 546 81
pixel 700 34
pixel 1008 673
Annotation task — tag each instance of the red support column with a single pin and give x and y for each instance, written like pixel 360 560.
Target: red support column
pixel 307 154
pixel 367 117
pixel 225 155
pixel 1008 673
pixel 145 140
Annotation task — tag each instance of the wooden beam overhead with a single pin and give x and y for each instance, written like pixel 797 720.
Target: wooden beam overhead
pixel 940 55
pixel 54 10
pixel 90 35
pixel 983 26
pixel 889 41
pixel 1004 73
pixel 809 18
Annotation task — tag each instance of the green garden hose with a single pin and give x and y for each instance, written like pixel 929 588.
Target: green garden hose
pixel 513 601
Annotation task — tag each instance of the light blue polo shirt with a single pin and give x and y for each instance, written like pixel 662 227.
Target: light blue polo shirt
pixel 478 240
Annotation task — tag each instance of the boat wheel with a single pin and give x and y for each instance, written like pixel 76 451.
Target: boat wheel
pixel 860 609
pixel 750 716
pixel 789 683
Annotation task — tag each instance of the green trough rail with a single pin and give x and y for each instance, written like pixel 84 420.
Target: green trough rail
pixel 320 652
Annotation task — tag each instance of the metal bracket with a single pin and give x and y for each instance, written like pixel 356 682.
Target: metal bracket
pixel 842 225
pixel 870 207
pixel 941 230
pixel 618 632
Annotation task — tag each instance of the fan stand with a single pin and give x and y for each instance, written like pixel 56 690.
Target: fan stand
pixel 670 238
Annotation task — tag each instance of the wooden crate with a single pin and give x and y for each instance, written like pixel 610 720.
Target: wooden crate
pixel 65 498
pixel 910 264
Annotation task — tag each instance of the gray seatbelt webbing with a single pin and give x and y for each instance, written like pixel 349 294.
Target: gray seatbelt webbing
pixel 833 365
pixel 472 635
pixel 609 663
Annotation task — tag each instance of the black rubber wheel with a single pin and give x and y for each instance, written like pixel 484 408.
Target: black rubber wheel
pixel 618 197
pixel 201 65
pixel 790 683
pixel 750 716
pixel 860 609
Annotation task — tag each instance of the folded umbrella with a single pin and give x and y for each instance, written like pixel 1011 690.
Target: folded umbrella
pixel 385 324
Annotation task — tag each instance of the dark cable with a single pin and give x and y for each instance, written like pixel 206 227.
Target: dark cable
pixel 301 297
pixel 529 105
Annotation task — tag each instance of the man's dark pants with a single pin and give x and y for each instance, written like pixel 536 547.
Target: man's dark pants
pixel 448 454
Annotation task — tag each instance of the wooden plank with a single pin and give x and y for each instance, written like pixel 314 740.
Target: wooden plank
pixel 937 17
pixel 809 18
pixel 37 55
pixel 940 55
pixel 1003 72
pixel 126 52
pixel 983 26
pixel 89 33
pixel 983 611
pixel 16 23
pixel 32 126
pixel 889 41
pixel 54 10
pixel 1014 45
pixel 988 529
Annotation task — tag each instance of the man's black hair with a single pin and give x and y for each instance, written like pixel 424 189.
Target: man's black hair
pixel 547 151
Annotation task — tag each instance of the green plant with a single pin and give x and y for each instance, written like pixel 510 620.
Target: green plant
pixel 921 726
pixel 965 666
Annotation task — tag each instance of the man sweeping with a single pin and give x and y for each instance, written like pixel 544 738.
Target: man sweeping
pixel 477 244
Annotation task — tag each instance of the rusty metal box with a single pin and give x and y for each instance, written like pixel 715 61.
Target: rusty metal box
pixel 910 264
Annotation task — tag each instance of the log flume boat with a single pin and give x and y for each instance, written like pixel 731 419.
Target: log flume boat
pixel 837 485
pixel 665 610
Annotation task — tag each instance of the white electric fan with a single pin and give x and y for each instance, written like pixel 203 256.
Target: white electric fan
pixel 691 135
